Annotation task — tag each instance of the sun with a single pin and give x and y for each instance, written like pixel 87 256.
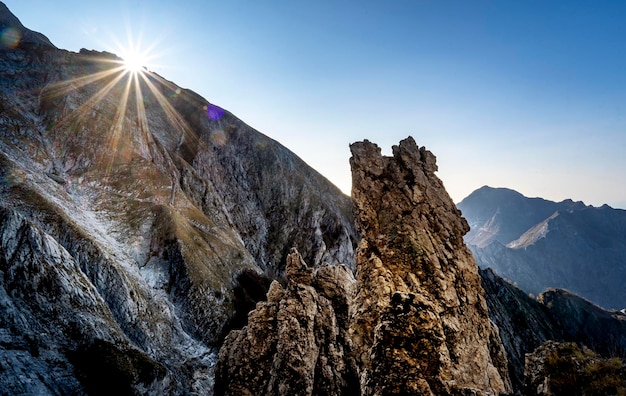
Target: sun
pixel 134 61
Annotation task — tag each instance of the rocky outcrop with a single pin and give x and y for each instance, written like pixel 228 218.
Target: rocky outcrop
pixel 297 341
pixel 420 323
pixel 139 224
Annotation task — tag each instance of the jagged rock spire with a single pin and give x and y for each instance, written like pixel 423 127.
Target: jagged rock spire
pixel 420 323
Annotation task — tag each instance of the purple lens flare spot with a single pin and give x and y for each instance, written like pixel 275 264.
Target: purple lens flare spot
pixel 214 112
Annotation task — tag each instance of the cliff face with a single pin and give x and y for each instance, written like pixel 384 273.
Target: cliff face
pixel 418 321
pixel 129 210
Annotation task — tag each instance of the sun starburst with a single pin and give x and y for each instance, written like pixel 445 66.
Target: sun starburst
pixel 119 79
pixel 134 62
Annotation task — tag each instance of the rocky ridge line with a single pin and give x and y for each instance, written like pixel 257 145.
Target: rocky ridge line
pixel 417 322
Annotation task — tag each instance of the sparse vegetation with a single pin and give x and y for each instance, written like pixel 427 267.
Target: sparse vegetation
pixel 579 371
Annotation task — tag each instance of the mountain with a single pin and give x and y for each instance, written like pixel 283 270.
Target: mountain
pixel 503 215
pixel 539 244
pixel 138 223
pixel 419 318
pixel 153 243
pixel 15 34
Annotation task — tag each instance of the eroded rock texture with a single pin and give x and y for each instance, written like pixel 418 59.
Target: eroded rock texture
pixel 297 341
pixel 420 322
pixel 417 322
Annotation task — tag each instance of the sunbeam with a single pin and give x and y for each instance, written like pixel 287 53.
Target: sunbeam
pixel 109 79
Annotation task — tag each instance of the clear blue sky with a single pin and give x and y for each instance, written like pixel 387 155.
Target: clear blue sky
pixel 529 95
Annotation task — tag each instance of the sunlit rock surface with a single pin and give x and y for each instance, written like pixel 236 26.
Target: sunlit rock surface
pixel 415 322
pixel 420 323
pixel 297 341
pixel 139 225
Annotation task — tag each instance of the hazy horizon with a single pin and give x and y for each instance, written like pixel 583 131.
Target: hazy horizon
pixel 527 95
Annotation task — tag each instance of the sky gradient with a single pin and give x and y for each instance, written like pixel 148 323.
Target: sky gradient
pixel 529 95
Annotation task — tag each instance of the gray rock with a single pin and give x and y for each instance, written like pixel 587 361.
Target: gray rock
pixel 128 218
pixel 296 342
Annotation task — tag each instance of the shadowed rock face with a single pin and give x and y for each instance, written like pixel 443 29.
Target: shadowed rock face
pixel 420 322
pixel 524 323
pixel 128 215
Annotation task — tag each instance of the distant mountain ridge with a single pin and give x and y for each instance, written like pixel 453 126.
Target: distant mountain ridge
pixel 540 244
pixel 503 215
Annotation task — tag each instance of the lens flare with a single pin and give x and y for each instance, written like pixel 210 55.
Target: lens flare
pixel 136 90
pixel 9 37
pixel 214 112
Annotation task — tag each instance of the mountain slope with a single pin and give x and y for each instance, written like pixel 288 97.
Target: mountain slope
pixel 139 225
pixel 576 247
pixel 132 211
pixel 525 324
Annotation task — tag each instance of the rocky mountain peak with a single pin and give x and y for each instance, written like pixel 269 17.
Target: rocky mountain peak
pixel 414 322
pixel 13 34
pixel 146 248
pixel 541 244
pixel 420 322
